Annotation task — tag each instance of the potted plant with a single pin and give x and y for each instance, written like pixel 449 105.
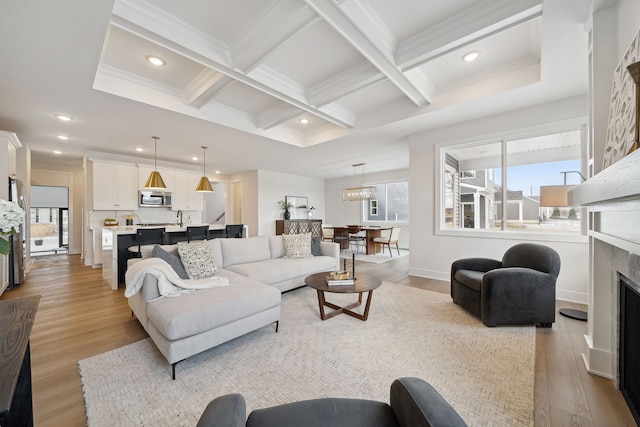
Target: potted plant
pixel 286 206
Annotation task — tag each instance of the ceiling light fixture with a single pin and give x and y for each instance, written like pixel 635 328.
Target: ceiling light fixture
pixel 63 137
pixel 363 192
pixel 155 181
pixel 158 62
pixel 304 121
pixel 139 149
pixel 63 118
pixel 471 56
pixel 57 152
pixel 204 186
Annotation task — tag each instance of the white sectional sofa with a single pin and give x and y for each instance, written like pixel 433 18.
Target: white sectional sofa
pixel 257 273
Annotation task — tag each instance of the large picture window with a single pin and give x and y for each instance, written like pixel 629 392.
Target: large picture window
pixel 391 205
pixel 496 185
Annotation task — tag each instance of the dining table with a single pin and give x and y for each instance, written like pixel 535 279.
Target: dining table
pixel 371 232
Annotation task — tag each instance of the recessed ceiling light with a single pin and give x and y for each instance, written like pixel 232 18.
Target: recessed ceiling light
pixel 194 158
pixel 217 171
pixel 63 117
pixel 57 152
pixel 304 121
pixel 155 60
pixel 139 149
pixel 62 137
pixel 470 56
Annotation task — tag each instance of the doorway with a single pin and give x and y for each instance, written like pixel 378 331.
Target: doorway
pixel 49 220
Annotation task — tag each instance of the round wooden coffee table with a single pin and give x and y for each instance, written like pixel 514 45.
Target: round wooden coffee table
pixel 363 283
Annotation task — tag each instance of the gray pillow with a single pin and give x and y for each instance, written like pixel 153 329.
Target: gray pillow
pixel 172 259
pixel 315 246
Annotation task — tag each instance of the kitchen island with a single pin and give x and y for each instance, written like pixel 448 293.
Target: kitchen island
pixel 114 257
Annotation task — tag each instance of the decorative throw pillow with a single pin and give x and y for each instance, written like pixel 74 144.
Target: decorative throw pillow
pixel 172 258
pixel 197 259
pixel 297 245
pixel 315 246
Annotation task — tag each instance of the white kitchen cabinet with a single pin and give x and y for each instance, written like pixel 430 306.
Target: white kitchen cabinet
pixel 115 187
pixel 184 195
pixel 143 175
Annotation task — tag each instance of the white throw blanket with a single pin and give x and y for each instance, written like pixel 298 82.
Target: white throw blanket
pixel 169 283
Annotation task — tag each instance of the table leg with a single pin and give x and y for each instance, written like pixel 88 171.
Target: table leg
pixel 322 302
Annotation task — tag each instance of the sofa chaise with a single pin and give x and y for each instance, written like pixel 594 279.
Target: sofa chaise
pixel 257 272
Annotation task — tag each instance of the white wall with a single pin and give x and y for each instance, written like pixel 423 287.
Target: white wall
pixel 340 213
pixel 431 254
pixel 274 186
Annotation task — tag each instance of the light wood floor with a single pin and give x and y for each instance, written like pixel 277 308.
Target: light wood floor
pixel 80 316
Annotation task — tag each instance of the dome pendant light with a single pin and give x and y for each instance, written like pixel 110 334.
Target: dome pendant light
pixel 204 186
pixel 155 181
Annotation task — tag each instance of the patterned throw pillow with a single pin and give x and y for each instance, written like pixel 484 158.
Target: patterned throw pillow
pixel 198 259
pixel 297 245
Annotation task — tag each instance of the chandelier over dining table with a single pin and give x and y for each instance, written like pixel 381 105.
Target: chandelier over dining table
pixel 359 193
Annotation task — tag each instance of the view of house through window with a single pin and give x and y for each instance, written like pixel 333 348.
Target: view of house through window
pixel 476 194
pixel 49 220
pixel 391 205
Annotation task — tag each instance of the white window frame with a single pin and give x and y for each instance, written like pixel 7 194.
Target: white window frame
pixel 440 165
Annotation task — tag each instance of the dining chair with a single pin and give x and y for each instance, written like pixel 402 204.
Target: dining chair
pixel 355 237
pixel 197 232
pixel 392 239
pixel 327 232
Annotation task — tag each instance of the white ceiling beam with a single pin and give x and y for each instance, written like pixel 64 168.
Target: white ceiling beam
pixel 269 33
pixel 165 30
pixel 484 19
pixel 276 115
pixel 205 87
pixel 350 80
pixel 371 48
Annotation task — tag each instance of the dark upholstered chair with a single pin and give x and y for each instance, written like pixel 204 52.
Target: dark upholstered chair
pixel 414 403
pixel 520 289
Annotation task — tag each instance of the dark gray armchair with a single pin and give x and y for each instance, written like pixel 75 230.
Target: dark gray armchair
pixel 520 289
pixel 414 402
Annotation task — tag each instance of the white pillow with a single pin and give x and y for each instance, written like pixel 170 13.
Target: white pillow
pixel 198 259
pixel 297 245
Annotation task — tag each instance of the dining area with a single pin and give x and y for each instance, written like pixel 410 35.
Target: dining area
pixel 366 239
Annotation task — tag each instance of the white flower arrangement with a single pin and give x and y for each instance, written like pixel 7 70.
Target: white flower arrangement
pixel 11 215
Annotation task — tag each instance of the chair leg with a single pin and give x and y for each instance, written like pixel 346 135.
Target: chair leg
pixel 397 247
pixel 390 253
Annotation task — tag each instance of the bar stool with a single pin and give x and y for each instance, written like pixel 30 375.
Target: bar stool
pixel 197 232
pixel 146 239
pixel 234 230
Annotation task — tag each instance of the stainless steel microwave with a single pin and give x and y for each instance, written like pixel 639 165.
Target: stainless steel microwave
pixel 154 199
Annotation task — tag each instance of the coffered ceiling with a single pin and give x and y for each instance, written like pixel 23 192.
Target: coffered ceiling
pixel 240 75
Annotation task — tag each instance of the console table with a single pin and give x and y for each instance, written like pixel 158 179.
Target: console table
pixel 299 226
pixel 16 320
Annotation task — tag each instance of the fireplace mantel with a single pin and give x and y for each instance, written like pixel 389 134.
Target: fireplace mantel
pixel 618 183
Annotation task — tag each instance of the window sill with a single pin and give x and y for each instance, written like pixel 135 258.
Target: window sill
pixel 517 235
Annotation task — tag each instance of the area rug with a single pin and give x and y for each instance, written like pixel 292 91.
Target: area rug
pixel 487 374
pixel 377 258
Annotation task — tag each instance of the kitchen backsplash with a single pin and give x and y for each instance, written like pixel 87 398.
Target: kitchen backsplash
pixel 145 215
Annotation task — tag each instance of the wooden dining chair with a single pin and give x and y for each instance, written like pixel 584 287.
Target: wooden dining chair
pixel 327 232
pixel 392 239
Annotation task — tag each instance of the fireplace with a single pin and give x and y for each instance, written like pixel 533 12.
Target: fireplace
pixel 629 341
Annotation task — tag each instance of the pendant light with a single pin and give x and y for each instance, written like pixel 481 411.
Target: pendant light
pixel 155 181
pixel 363 192
pixel 204 186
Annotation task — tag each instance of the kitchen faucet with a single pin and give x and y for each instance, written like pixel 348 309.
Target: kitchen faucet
pixel 179 215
